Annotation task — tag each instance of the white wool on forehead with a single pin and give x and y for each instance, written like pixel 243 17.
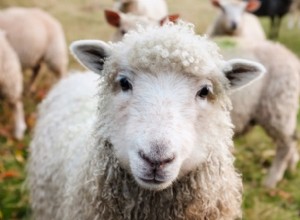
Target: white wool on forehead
pixel 174 47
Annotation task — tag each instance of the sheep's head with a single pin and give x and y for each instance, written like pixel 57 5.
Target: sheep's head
pixel 127 22
pixel 232 12
pixel 166 108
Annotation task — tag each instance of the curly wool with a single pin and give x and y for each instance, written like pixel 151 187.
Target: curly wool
pixel 184 53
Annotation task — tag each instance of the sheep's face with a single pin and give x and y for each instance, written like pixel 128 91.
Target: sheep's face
pixel 233 11
pixel 165 110
pixel 160 125
pixel 232 16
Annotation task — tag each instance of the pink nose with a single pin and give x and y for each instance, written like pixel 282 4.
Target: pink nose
pixel 157 162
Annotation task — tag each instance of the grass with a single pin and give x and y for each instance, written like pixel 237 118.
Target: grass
pixel 84 19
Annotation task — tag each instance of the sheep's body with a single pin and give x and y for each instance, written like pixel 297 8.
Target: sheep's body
pixel 234 21
pixel 11 84
pixel 271 102
pixel 153 9
pixel 90 164
pixel 38 38
pixel 67 104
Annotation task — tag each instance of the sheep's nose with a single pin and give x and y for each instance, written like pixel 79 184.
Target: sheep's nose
pixel 233 25
pixel 156 163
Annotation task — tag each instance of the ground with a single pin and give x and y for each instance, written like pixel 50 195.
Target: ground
pixel 83 19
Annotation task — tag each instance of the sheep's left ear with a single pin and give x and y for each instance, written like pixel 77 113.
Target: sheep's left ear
pixel 91 53
pixel 242 72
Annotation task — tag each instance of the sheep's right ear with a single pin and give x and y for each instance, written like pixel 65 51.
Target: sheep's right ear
pixel 91 53
pixel 241 72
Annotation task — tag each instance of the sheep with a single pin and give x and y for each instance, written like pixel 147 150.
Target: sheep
pixel 126 22
pixel 275 9
pixel 141 153
pixel 294 18
pixel 271 102
pixel 234 20
pixel 11 84
pixel 38 38
pixel 152 9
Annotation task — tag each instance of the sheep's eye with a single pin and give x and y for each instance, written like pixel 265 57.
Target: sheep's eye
pixel 204 92
pixel 125 84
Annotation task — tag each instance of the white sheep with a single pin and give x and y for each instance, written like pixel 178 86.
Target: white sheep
pixel 158 146
pixel 271 102
pixel 234 20
pixel 152 9
pixel 11 84
pixel 36 37
pixel 127 22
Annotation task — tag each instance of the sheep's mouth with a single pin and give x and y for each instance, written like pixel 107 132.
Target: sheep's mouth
pixel 151 181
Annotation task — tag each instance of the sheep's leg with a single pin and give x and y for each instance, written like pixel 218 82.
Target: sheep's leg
pixel 35 72
pixel 19 118
pixel 278 24
pixel 272 28
pixel 292 20
pixel 285 150
pixel 294 159
pixel 281 127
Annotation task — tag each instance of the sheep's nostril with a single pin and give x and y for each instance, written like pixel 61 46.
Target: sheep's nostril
pixel 156 163
pixel 145 158
pixel 168 160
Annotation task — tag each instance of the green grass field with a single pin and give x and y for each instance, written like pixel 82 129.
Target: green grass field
pixel 83 19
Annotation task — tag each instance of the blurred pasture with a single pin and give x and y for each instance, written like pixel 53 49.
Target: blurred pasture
pixel 83 19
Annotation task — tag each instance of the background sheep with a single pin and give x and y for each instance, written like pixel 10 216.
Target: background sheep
pixel 275 9
pixel 152 9
pixel 125 166
pixel 261 106
pixel 126 22
pixel 11 84
pixel 271 102
pixel 234 20
pixel 38 38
